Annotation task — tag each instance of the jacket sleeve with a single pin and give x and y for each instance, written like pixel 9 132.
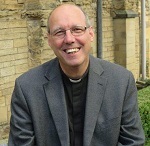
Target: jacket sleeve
pixel 131 131
pixel 21 127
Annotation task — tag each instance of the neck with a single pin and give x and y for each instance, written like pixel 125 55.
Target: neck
pixel 75 72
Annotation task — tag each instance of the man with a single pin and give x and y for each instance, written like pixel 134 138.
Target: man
pixel 74 99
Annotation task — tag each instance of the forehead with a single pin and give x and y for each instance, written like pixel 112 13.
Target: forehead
pixel 67 15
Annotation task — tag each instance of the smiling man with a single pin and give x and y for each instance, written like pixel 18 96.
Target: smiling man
pixel 74 99
pixel 70 36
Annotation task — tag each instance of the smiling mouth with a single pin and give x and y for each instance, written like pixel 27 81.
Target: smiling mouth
pixel 72 51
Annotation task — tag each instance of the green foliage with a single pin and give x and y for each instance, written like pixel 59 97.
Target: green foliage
pixel 144 109
pixel 147 142
pixel 147 81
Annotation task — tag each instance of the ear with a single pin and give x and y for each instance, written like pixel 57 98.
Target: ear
pixel 91 32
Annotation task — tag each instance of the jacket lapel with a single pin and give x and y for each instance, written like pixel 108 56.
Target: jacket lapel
pixel 56 99
pixel 95 94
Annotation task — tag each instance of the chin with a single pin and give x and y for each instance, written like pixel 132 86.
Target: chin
pixel 75 64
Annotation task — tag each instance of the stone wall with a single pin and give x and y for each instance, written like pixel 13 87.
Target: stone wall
pixel 23 44
pixel 23 40
pixel 13 55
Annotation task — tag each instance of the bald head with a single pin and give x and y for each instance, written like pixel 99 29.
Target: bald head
pixel 66 9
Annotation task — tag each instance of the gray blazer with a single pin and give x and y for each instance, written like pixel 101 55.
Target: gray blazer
pixel 39 113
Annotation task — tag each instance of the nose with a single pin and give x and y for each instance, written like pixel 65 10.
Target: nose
pixel 69 38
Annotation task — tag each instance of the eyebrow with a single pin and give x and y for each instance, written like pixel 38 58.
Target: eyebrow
pixel 61 28
pixel 56 29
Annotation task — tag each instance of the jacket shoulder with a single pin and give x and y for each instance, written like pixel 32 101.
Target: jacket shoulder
pixel 112 70
pixel 37 73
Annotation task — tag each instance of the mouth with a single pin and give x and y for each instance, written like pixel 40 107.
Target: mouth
pixel 72 51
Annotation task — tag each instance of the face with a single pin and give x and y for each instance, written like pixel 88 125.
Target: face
pixel 72 51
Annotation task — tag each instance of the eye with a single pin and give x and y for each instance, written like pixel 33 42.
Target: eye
pixel 78 29
pixel 59 33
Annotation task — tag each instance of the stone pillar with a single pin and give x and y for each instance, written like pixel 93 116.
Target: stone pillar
pixel 125 39
pixel 148 46
pixel 36 14
pixel 32 15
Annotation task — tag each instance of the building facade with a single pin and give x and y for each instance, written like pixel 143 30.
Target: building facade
pixel 23 39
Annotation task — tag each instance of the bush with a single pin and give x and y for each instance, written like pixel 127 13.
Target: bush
pixel 144 109
pixel 147 81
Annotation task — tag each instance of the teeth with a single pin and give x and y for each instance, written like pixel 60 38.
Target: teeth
pixel 74 50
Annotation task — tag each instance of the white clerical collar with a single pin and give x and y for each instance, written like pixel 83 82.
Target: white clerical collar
pixel 75 81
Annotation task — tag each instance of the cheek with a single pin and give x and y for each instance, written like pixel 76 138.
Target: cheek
pixel 56 44
pixel 82 40
pixel 87 41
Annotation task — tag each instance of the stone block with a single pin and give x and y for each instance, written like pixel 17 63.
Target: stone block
pixel 12 78
pixel 23 49
pixel 131 50
pixel 107 22
pixel 12 7
pixel 8 64
pixel 1 65
pixel 23 35
pixel 120 37
pixel 48 5
pixel 20 1
pixel 21 68
pixel 8 51
pixel 33 5
pixel 12 30
pixel 17 24
pixel 6 44
pixel 8 100
pixel 8 115
pixel 10 2
pixel 7 79
pixel 5 132
pixel 108 34
pixel 7 85
pixel 130 24
pixel 12 36
pixel 130 40
pixel 3 24
pixel 7 71
pixel 21 56
pixel 117 14
pixel 21 61
pixel 78 2
pixel 130 67
pixel 2 1
pixel 131 61
pixel 22 42
pixel 119 24
pixel 7 91
pixel 2 99
pixel 109 28
pixel 3 113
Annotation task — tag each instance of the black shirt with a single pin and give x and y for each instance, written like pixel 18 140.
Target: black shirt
pixel 76 100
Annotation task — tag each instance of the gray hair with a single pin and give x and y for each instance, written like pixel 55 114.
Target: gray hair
pixel 86 18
